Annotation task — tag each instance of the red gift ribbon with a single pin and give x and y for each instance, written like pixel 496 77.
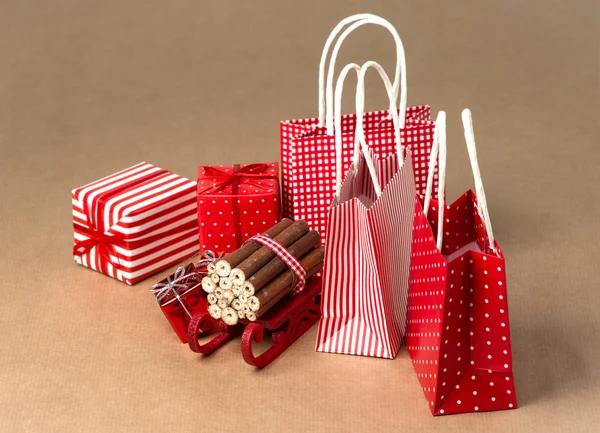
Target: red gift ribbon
pixel 105 243
pixel 247 173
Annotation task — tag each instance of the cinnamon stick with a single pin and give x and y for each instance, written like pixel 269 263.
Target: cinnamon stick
pixel 267 306
pixel 237 305
pixel 247 289
pixel 230 316
pixel 225 283
pixel 228 296
pixel 214 311
pixel 284 283
pixel 264 255
pixel 276 265
pixel 224 266
pixel 211 268
pixel 208 285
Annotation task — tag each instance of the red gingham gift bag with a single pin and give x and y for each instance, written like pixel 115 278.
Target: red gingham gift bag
pixel 308 159
pixel 367 253
pixel 458 334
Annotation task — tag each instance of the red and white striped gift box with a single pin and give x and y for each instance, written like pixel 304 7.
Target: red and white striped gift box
pixel 135 223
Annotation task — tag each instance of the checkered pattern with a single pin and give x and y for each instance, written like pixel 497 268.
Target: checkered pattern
pixel 308 158
pixel 291 261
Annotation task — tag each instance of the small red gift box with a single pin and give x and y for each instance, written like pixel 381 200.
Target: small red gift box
pixel 235 203
pixel 180 297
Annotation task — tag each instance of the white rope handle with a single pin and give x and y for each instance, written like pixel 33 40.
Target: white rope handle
pixel 360 109
pixel 439 142
pixel 360 142
pixel 482 207
pixel 360 139
pixel 438 152
pixel 323 63
pixel 339 87
pixel 326 92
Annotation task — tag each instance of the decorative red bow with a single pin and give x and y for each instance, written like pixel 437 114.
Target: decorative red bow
pixel 105 243
pixel 249 172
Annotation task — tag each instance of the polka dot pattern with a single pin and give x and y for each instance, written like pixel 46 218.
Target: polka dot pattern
pixel 458 334
pixel 308 158
pixel 259 207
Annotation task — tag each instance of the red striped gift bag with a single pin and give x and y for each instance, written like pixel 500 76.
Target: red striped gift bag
pixel 458 333
pixel 308 149
pixel 135 223
pixel 367 253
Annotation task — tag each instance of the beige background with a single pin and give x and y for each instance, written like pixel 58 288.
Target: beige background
pixel 90 87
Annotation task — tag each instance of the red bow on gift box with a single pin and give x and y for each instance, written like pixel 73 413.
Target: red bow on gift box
pixel 249 173
pixel 105 243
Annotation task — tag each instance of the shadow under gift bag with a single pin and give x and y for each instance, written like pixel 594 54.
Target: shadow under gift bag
pixel 458 335
pixel 367 255
pixel 308 146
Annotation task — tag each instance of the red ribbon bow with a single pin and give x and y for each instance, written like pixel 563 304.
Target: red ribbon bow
pixel 105 243
pixel 249 173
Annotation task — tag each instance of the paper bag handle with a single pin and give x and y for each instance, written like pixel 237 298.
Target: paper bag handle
pixel 360 141
pixel 326 92
pixel 438 152
pixel 439 139
pixel 339 87
pixel 482 207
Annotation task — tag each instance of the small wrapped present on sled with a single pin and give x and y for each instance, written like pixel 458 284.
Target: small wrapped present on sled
pixel 180 295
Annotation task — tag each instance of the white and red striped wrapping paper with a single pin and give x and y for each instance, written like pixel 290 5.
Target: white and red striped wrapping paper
pixel 367 258
pixel 135 223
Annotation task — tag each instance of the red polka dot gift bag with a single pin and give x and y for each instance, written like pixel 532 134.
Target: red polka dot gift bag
pixel 367 252
pixel 236 202
pixel 458 333
pixel 308 149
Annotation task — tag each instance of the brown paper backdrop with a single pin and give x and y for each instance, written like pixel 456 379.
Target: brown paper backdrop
pixel 89 87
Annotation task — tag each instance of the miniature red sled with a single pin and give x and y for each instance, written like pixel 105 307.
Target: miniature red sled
pixel 286 322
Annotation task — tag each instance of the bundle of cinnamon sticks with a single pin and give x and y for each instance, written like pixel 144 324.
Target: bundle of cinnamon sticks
pixel 247 282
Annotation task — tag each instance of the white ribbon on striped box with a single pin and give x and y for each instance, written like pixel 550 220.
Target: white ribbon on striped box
pixel 367 255
pixel 135 223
